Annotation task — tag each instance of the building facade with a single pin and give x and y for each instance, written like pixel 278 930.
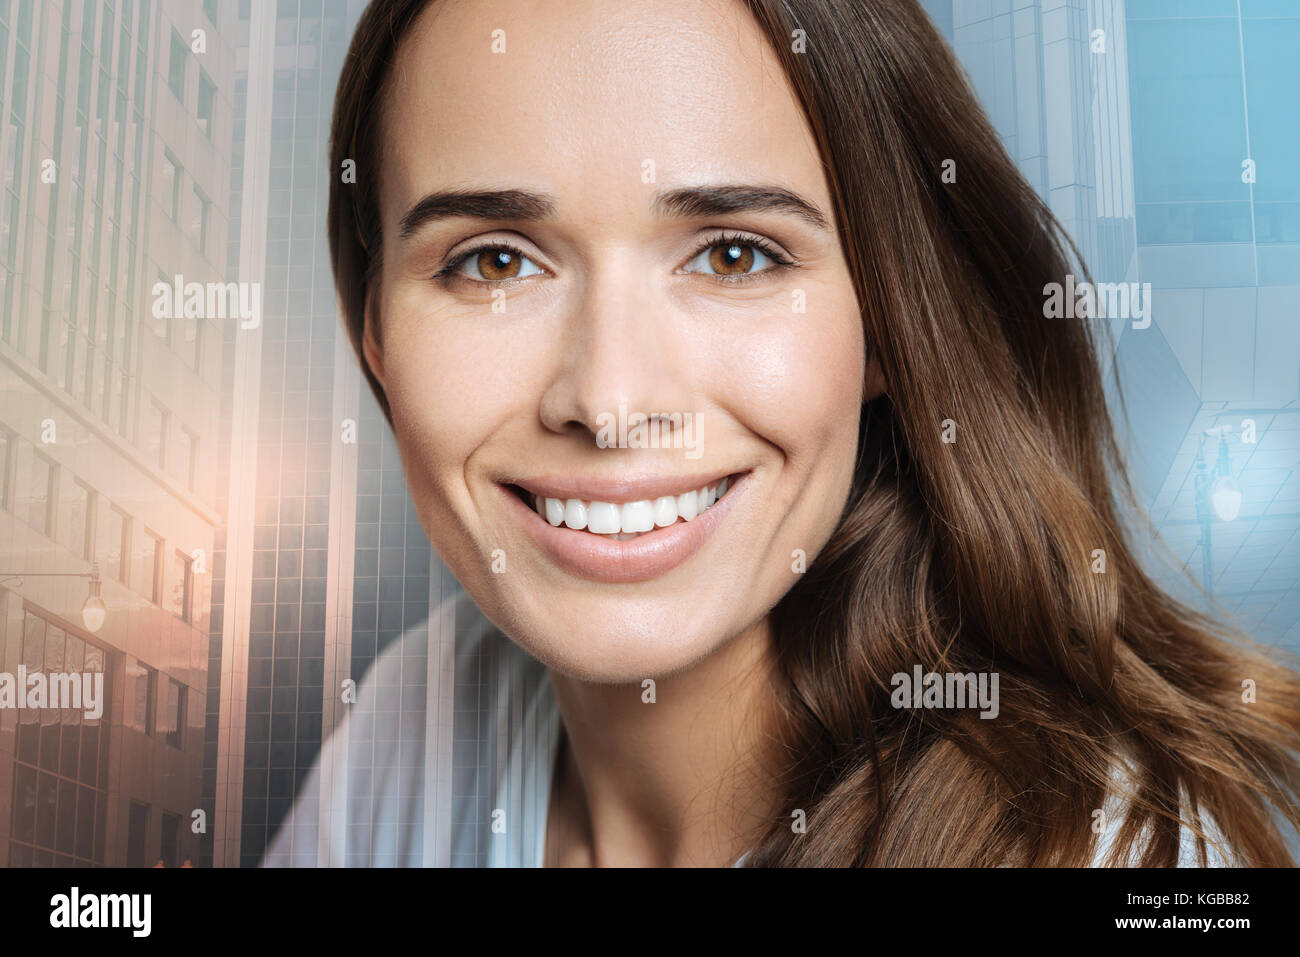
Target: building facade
pixel 115 141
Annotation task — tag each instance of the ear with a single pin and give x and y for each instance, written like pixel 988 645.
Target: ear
pixel 370 347
pixel 873 384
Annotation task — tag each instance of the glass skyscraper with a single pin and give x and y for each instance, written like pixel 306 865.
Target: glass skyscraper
pixel 115 128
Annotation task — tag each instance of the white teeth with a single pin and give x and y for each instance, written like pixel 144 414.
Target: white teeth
pixel 665 511
pixel 553 510
pixel 688 505
pixel 638 516
pixel 575 514
pixel 621 522
pixel 603 518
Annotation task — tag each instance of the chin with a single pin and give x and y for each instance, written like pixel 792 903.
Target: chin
pixel 607 641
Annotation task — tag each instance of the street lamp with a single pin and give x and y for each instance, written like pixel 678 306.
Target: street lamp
pixel 1225 495
pixel 1217 496
pixel 93 609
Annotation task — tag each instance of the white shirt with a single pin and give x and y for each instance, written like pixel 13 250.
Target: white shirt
pixel 505 745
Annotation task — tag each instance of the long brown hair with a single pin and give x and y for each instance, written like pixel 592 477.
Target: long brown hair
pixel 967 556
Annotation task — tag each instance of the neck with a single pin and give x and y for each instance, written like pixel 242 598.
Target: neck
pixel 684 781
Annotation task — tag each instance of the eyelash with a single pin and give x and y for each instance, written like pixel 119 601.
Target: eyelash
pixel 780 260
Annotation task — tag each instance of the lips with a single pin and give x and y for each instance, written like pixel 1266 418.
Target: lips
pixel 623 531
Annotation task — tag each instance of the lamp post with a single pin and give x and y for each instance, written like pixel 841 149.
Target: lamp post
pixel 93 609
pixel 1217 496
pixel 1206 518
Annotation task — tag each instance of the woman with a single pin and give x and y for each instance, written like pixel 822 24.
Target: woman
pixel 713 340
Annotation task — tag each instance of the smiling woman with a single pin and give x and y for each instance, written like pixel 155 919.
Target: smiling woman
pixel 738 212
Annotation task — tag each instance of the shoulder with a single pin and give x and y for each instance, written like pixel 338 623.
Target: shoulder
pixel 451 723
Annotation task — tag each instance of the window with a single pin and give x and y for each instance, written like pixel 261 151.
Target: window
pixel 182 579
pixel 156 429
pixel 174 718
pixel 199 223
pixel 144 696
pixel 171 191
pixel 114 542
pixel 207 98
pixel 148 574
pixel 162 325
pixel 6 457
pixel 81 523
pixel 60 767
pixel 36 502
pixel 157 576
pixel 176 66
pixel 186 458
pixel 188 343
pixel 171 839
pixel 137 834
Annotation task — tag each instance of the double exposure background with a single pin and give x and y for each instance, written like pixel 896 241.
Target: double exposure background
pixel 250 557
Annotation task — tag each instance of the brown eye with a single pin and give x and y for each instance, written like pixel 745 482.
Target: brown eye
pixel 497 264
pixel 731 259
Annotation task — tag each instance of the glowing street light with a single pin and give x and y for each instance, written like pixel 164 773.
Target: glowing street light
pixel 93 609
pixel 1217 496
pixel 1225 496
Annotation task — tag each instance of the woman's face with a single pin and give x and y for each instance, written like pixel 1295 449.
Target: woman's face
pixel 656 239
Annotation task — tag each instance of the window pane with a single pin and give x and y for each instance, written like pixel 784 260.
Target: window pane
pixel 176 67
pixel 85 822
pixel 6 451
pixel 67 817
pixel 34 500
pixel 25 804
pixel 80 512
pixel 206 97
pixel 47 793
pixel 178 590
pixel 112 526
pixel 138 676
pixel 180 461
pixel 33 659
pixel 155 437
pixel 171 186
pixel 171 831
pixel 137 831
pixel 175 714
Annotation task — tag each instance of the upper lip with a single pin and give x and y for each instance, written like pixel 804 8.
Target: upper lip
pixel 590 488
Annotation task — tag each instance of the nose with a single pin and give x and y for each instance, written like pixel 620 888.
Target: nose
pixel 622 349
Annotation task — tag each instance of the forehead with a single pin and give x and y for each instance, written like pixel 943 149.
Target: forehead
pixel 586 94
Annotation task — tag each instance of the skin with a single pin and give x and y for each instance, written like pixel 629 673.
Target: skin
pixel 613 304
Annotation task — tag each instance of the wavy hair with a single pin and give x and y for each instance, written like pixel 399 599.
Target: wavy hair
pixel 966 556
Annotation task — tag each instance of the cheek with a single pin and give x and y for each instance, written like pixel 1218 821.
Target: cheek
pixel 797 379
pixel 446 396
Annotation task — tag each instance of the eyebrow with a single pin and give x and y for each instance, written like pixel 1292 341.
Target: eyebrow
pixel 516 204
pixel 690 202
pixel 701 201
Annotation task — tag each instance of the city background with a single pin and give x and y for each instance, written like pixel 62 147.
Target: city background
pixel 191 474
